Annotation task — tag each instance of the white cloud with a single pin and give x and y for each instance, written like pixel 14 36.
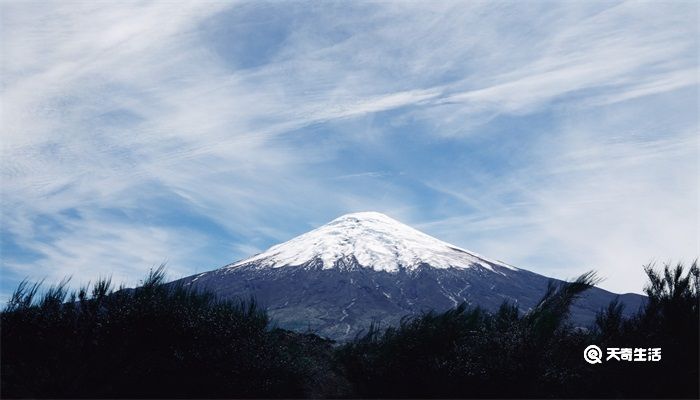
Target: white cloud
pixel 598 201
pixel 102 103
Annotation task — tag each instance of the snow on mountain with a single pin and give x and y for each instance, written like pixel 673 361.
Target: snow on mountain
pixel 366 268
pixel 375 241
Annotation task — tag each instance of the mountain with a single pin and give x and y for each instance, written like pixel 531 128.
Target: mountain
pixel 367 267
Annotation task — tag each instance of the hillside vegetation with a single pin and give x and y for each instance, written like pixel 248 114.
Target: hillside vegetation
pixel 160 340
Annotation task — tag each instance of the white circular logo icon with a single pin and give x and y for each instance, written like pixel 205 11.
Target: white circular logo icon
pixel 593 354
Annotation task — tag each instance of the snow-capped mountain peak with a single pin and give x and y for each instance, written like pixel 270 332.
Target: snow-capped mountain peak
pixel 375 241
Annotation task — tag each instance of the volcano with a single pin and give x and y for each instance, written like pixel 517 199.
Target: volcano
pixel 365 268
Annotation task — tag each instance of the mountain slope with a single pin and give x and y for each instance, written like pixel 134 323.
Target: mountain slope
pixel 374 240
pixel 366 267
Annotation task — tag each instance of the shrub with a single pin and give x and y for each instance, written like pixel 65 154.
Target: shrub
pixel 152 341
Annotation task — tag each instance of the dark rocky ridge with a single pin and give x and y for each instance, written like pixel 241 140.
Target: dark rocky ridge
pixel 342 301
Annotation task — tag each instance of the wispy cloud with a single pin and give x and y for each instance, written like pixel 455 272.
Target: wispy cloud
pixel 201 131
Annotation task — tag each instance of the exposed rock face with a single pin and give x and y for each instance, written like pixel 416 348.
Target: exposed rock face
pixel 366 267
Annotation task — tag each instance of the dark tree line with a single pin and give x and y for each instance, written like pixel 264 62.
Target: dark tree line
pixel 160 341
pixel 152 341
pixel 467 352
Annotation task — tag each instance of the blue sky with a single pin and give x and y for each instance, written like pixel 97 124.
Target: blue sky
pixel 556 136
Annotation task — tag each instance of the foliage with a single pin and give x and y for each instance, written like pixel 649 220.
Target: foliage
pixel 669 321
pixel 153 341
pixel 467 353
pixel 161 340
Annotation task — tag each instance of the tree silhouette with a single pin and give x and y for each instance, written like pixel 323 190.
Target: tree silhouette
pixel 163 340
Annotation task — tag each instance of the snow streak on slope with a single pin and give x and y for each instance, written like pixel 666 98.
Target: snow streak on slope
pixel 375 241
